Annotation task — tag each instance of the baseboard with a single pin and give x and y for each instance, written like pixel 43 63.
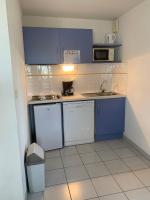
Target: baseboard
pixel 111 136
pixel 76 142
pixel 137 148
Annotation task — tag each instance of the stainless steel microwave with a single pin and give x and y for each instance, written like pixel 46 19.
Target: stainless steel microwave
pixel 103 54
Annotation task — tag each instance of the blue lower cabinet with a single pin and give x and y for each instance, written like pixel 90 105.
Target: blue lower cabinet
pixel 109 118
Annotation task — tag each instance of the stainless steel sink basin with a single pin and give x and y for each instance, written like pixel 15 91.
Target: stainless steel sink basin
pixel 95 94
pixel 106 93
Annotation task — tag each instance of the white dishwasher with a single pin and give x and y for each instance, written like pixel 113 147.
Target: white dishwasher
pixel 78 122
pixel 48 126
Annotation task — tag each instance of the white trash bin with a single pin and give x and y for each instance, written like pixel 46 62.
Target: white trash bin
pixel 35 162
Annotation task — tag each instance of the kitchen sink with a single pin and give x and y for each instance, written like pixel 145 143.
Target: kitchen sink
pixel 95 94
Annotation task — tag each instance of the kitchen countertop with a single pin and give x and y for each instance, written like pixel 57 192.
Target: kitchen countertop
pixel 76 97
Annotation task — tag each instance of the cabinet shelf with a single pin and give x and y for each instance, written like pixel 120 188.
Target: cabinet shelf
pixel 107 45
pixel 107 62
pixel 117 52
pixel 75 74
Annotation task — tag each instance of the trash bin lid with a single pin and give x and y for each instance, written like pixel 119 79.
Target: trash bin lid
pixel 35 155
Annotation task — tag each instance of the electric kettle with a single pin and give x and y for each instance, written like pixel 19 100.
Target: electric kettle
pixel 110 38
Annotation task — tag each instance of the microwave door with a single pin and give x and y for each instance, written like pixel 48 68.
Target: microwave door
pixel 101 55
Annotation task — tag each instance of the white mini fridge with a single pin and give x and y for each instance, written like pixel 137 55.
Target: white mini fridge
pixel 48 126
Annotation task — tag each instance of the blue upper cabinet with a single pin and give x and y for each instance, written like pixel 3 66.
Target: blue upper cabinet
pixel 41 45
pixel 110 118
pixel 47 45
pixel 80 40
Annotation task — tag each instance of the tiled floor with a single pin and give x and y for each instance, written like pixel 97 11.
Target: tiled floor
pixel 111 170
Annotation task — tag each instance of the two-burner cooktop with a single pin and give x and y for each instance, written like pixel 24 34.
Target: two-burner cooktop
pixel 45 97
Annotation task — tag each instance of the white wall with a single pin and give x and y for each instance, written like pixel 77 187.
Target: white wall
pixel 100 27
pixel 135 33
pixel 18 65
pixel 14 136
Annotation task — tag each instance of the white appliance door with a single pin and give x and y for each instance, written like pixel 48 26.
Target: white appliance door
pixel 78 122
pixel 48 125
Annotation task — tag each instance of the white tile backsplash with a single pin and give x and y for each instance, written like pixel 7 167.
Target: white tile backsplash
pixel 87 78
pixel 119 83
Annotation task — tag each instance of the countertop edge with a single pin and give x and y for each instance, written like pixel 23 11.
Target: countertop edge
pixel 74 98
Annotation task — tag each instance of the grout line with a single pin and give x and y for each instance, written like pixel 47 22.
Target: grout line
pixel 114 179
pixel 121 173
pixel 126 196
pixel 139 178
pixel 132 170
pixel 117 183
pixel 142 158
pixel 101 161
pixel 66 177
pixel 104 176
pixel 89 176
pixel 124 192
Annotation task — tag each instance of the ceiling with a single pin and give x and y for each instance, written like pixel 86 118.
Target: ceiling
pixel 86 9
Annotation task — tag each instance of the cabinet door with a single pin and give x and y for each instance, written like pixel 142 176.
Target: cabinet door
pixel 41 45
pixel 48 126
pixel 77 39
pixel 110 117
pixel 78 122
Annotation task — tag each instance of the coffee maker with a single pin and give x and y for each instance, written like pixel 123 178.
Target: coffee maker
pixel 68 89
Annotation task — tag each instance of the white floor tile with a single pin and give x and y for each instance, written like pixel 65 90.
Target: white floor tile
pixel 141 194
pixel 135 163
pixel 57 192
pixel 53 163
pixel 117 166
pixel 72 160
pixel 119 196
pixel 144 176
pixel 124 152
pixel 76 173
pixel 107 155
pixel 82 190
pixel 90 157
pixel 52 154
pixel 66 151
pixel 55 177
pixel 128 181
pixel 84 148
pixel 132 148
pixel 146 161
pixel 100 146
pixel 97 170
pixel 105 185
pixel 118 157
pixel 115 144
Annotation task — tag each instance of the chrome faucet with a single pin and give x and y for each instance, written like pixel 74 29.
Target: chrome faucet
pixel 102 89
